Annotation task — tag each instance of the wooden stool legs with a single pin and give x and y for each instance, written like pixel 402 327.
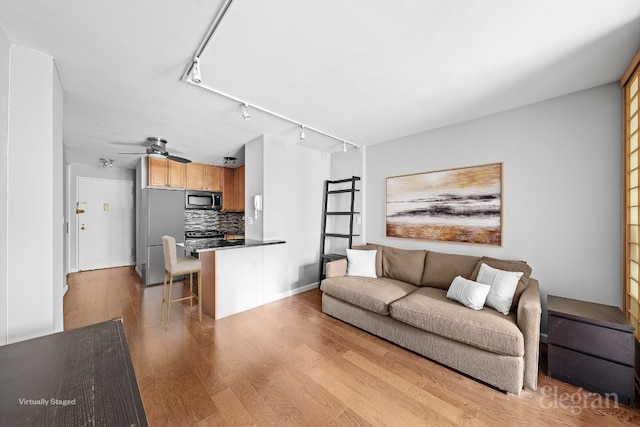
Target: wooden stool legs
pixel 166 298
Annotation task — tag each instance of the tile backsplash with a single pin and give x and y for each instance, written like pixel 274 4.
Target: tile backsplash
pixel 228 222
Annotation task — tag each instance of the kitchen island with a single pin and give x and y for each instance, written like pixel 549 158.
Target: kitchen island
pixel 232 274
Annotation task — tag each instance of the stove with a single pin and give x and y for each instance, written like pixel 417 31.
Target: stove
pixel 203 234
pixel 199 239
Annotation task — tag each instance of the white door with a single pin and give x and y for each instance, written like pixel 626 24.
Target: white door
pixel 105 223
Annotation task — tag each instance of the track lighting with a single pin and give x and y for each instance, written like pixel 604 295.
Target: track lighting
pixel 344 146
pixel 230 160
pixel 107 163
pixel 245 112
pixel 302 134
pixel 196 77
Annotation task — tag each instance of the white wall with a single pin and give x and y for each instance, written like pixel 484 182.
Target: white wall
pixel 34 233
pixel 254 185
pixel 293 180
pixel 562 187
pixel 5 52
pixel 90 171
pixel 59 225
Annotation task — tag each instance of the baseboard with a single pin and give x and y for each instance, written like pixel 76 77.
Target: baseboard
pixel 291 292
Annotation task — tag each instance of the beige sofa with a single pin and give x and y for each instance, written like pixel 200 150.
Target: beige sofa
pixel 407 305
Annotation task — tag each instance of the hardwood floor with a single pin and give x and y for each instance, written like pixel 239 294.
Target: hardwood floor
pixel 287 363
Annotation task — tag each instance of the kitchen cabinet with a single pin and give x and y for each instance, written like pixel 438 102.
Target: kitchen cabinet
pixel 233 189
pixel 203 177
pixel 213 180
pixel 196 176
pixel 166 173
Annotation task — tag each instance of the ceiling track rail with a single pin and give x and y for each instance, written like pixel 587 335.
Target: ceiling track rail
pixel 203 44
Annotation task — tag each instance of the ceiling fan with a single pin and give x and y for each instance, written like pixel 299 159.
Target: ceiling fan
pixel 158 146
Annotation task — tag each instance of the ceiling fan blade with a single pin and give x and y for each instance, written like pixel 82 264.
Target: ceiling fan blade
pixel 177 159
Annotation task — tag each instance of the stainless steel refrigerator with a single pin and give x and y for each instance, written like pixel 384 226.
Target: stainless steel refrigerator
pixel 162 213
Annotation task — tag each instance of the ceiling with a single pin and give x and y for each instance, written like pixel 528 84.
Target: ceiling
pixel 362 70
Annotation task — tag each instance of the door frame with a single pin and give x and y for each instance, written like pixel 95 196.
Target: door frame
pixel 74 206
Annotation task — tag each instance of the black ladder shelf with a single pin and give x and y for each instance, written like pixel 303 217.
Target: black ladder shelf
pixel 324 257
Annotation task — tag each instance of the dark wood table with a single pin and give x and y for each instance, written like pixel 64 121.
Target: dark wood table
pixel 592 346
pixel 81 377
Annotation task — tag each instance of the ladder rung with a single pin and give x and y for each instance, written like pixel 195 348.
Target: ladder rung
pixel 346 236
pixel 342 213
pixel 340 181
pixel 333 256
pixel 348 190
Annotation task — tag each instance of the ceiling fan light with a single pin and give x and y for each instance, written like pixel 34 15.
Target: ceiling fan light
pixel 196 77
pixel 245 112
pixel 107 163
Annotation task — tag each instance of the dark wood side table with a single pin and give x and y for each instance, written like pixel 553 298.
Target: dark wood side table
pixel 592 346
pixel 80 377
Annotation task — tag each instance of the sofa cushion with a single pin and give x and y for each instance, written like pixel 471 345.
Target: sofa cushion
pixel 373 247
pixel 507 265
pixel 371 294
pixel 440 269
pixel 403 264
pixel 430 310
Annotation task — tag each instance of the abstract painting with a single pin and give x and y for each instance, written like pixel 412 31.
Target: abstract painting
pixel 454 205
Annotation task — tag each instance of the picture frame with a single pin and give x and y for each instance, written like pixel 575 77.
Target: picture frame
pixel 462 205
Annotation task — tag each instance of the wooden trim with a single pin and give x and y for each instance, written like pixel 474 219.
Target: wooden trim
pixel 633 65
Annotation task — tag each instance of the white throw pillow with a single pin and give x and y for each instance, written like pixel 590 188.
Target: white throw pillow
pixel 471 294
pixel 361 263
pixel 503 286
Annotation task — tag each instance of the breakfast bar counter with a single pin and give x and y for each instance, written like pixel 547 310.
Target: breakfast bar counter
pixel 232 274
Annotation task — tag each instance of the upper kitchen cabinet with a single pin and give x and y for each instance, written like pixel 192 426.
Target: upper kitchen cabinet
pixel 204 177
pixel 195 176
pixel 233 189
pixel 213 175
pixel 166 173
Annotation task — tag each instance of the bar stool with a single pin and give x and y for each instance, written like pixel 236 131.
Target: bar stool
pixel 174 266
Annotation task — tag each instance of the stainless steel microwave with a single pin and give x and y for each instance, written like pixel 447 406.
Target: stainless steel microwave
pixel 203 200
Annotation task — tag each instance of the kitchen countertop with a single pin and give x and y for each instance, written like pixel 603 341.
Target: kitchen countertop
pixel 217 245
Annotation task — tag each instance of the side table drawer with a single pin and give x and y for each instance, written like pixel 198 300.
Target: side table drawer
pixel 591 373
pixel 612 344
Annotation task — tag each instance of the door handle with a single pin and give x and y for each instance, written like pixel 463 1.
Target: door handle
pixel 79 211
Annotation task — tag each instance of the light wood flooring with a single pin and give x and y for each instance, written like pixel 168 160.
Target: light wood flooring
pixel 288 364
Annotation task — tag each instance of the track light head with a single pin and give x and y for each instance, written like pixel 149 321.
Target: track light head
pixel 107 163
pixel 196 77
pixel 303 135
pixel 245 112
pixel 344 146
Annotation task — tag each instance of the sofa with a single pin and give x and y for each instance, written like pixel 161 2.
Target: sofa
pixel 406 303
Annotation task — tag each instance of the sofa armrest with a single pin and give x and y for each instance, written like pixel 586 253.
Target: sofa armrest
pixel 528 320
pixel 336 268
